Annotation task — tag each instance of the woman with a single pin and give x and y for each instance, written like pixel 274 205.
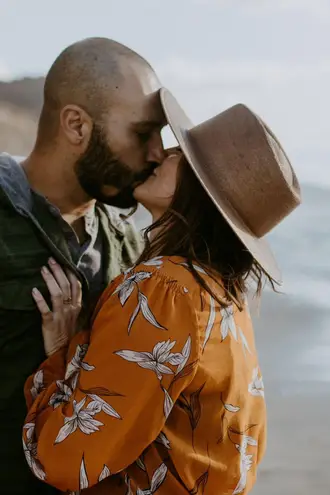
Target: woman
pixel 164 394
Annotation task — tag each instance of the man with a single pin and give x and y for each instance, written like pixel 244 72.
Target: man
pixel 98 136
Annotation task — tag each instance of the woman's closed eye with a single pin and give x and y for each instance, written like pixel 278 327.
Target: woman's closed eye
pixel 175 150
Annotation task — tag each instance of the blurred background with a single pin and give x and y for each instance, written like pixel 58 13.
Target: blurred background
pixel 273 56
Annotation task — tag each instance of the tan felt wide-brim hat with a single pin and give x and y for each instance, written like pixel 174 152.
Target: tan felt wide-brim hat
pixel 244 170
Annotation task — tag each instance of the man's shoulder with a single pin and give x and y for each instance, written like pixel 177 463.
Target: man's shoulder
pixel 14 187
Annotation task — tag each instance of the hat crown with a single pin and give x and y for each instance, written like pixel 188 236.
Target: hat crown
pixel 245 165
pixel 243 168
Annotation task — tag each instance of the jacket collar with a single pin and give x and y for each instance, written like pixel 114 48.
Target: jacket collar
pixel 14 183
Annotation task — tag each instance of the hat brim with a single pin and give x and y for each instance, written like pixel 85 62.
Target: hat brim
pixel 180 125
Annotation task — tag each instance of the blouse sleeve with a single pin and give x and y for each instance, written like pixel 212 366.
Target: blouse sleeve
pixel 117 392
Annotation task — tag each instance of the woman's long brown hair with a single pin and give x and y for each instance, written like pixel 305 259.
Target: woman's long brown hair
pixel 194 229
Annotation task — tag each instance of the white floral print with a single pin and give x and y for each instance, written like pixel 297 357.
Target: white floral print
pixel 247 306
pixel 82 419
pixel 152 361
pixel 198 269
pixel 126 288
pixel 63 395
pixel 244 341
pixel 168 403
pixel 181 359
pixel 105 473
pixel 76 364
pixel 210 322
pixel 245 462
pixel 160 355
pixel 157 262
pixel 256 387
pixel 157 360
pixel 231 408
pixel 128 484
pixel 83 480
pixel 157 480
pixel 38 384
pixel 140 463
pixel 30 451
pixel 228 323
pixel 162 438
pixel 143 306
pixel 98 404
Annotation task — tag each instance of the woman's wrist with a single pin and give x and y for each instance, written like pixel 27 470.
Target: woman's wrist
pixel 56 347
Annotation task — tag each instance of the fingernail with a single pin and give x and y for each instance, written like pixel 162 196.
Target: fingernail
pixel 52 261
pixel 35 291
pixel 45 270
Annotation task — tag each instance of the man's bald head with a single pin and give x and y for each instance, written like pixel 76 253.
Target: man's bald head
pixel 102 119
pixel 89 74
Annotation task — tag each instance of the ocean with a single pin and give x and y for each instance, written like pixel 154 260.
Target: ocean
pixel 302 246
pixel 293 340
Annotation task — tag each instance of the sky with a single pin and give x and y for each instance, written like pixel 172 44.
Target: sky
pixel 272 55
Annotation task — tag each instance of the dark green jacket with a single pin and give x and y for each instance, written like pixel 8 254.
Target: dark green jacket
pixel 28 236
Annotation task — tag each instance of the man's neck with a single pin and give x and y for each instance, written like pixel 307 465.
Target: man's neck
pixel 58 183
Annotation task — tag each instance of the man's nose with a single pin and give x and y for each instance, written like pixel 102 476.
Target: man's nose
pixel 156 151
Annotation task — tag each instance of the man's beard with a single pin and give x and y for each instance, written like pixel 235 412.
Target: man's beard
pixel 99 167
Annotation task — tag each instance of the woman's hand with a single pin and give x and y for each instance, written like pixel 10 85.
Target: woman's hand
pixel 58 325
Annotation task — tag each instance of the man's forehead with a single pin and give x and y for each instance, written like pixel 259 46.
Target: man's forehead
pixel 149 111
pixel 140 105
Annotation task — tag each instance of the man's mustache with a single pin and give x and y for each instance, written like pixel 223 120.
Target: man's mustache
pixel 145 174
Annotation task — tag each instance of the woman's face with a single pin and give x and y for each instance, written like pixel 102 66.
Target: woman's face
pixel 157 192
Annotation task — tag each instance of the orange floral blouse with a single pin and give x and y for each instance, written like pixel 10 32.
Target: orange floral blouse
pixel 163 396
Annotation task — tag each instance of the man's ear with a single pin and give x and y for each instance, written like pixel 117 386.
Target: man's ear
pixel 76 125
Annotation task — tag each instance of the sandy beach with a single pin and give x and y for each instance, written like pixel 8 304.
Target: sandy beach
pixel 294 350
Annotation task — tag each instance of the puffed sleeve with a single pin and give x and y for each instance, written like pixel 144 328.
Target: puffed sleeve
pixel 118 390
